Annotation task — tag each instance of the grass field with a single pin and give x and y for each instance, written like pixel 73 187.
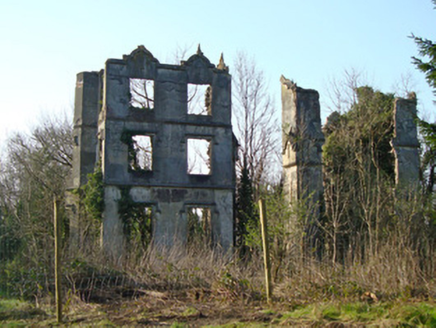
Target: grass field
pixel 206 308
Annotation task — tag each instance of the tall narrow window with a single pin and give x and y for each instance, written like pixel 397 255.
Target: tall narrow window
pixel 199 156
pixel 199 226
pixel 141 153
pixel 142 93
pixel 199 99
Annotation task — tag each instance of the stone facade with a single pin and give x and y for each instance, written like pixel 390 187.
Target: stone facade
pixel 141 139
pixel 302 141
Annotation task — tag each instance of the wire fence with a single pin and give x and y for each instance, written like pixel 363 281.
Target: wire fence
pixel 21 278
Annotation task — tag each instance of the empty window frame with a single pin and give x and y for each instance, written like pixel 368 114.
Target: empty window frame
pixel 141 153
pixel 199 99
pixel 199 225
pixel 142 93
pixel 199 156
pixel 138 225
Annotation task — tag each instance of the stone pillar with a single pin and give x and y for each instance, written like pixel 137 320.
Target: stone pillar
pixel 302 141
pixel 86 110
pixel 112 229
pixel 405 142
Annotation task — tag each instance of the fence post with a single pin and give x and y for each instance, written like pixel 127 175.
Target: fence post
pixel 58 274
pixel 265 244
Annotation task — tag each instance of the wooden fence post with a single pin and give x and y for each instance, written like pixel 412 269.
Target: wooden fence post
pixel 58 274
pixel 265 244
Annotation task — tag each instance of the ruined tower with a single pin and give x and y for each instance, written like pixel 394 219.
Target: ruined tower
pixel 405 143
pixel 162 135
pixel 302 141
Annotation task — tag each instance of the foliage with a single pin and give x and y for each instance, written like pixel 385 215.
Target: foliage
pixel 428 158
pixel 368 128
pixel 33 171
pixel 358 171
pixel 427 62
pixel 199 227
pixel 246 215
pixel 26 280
pixel 93 194
pixel 427 65
pixel 136 218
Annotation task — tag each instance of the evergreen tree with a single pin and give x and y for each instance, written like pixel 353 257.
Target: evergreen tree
pixel 427 64
pixel 245 209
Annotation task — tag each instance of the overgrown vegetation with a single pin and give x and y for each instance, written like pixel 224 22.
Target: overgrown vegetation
pixel 33 170
pixel 137 222
pixel 378 241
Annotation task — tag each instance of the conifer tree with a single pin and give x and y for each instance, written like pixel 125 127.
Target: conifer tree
pixel 245 209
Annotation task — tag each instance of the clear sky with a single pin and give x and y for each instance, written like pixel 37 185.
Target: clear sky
pixel 45 43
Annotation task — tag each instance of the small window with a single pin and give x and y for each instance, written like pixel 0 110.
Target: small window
pixel 141 153
pixel 138 225
pixel 199 226
pixel 142 93
pixel 199 99
pixel 199 156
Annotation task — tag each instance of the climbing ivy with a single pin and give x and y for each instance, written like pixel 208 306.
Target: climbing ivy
pixel 137 220
pixel 92 194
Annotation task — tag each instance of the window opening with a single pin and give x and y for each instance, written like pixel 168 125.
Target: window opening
pixel 141 153
pixel 138 225
pixel 199 99
pixel 142 93
pixel 199 156
pixel 199 227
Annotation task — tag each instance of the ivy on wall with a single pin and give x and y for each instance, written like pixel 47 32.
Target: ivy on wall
pixel 136 218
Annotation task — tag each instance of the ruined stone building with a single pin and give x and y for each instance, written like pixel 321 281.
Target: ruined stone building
pixel 303 138
pixel 163 138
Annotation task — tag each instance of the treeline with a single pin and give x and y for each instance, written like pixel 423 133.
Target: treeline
pixel 33 170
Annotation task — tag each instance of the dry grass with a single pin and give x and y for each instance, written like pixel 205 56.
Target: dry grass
pixel 201 286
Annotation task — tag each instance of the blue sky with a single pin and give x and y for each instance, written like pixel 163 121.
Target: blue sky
pixel 46 43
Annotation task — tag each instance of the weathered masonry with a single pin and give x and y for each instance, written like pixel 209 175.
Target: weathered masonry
pixel 302 141
pixel 162 135
pixel 405 143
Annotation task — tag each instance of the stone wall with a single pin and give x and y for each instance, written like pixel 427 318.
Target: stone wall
pixel 302 141
pixel 165 183
pixel 405 142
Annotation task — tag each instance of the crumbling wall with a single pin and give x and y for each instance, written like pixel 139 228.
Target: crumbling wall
pixel 157 174
pixel 405 142
pixel 85 148
pixel 302 141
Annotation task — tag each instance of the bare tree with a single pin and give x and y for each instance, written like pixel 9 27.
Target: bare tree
pixel 257 127
pixel 342 92
pixel 180 53
pixel 34 168
pixel 405 85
